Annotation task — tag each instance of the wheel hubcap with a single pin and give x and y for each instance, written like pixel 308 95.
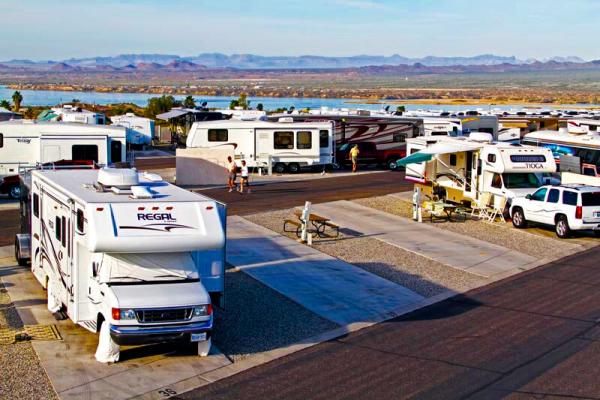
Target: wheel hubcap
pixel 561 227
pixel 518 218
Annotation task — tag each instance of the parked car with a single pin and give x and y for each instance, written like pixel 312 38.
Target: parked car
pixel 567 207
pixel 10 185
pixel 370 155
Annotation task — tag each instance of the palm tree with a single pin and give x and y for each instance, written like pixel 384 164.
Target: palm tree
pixel 17 98
pixel 5 104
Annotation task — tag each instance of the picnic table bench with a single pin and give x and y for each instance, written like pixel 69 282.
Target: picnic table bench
pixel 319 225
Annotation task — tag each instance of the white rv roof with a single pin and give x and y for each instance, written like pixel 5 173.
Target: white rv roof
pixel 77 183
pixel 563 137
pixel 25 127
pixel 232 124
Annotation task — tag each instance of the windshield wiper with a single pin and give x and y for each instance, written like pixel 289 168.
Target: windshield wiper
pixel 128 277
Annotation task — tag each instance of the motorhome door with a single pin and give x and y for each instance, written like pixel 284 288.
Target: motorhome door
pixel 264 145
pixel 471 174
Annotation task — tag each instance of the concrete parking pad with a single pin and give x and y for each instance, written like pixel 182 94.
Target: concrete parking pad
pixel 458 251
pixel 327 286
pixel 70 363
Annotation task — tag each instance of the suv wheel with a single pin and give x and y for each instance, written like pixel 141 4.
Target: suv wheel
pixel 15 192
pixel 518 219
pixel 562 227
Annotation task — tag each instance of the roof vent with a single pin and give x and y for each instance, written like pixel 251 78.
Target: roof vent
pixel 141 192
pixel 117 177
pixel 286 119
pixel 481 136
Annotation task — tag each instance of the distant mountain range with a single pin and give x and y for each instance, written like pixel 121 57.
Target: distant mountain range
pixel 150 62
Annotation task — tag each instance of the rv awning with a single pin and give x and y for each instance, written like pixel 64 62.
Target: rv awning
pixel 171 114
pixel 437 148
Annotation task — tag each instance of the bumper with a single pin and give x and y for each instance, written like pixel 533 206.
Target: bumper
pixel 134 335
pixel 585 226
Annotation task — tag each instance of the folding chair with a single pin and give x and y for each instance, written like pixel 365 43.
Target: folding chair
pixel 482 209
pixel 497 209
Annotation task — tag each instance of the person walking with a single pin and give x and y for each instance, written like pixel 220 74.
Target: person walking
pixel 354 157
pixel 245 175
pixel 231 170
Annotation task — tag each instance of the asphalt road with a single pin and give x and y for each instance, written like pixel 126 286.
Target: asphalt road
pixel 274 196
pixel 535 335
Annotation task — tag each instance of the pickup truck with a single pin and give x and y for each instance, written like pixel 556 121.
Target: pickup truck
pixel 370 155
pixel 567 207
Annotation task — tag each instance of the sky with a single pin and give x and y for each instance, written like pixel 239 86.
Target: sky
pixel 61 29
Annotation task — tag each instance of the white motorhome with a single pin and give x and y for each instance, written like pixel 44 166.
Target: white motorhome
pixel 140 130
pixel 69 113
pixel 467 167
pixel 290 145
pixel 25 143
pixel 583 126
pixel 124 254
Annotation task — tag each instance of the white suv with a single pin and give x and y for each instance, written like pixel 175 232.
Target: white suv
pixel 567 207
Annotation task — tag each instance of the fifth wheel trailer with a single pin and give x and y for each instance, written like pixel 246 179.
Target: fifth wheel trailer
pixel 124 254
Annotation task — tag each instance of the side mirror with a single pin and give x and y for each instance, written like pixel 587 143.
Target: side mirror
pixel 528 197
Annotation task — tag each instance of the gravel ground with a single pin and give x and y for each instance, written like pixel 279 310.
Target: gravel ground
pixel 501 234
pixel 257 318
pixel 21 375
pixel 418 273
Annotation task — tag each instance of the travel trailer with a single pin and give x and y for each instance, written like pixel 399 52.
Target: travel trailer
pixel 583 126
pixel 25 143
pixel 140 130
pixel 580 151
pixel 464 168
pixel 386 132
pixel 289 145
pixel 69 113
pixel 124 254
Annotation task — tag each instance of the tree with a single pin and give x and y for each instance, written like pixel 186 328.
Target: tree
pixel 260 107
pixel 189 102
pixel 5 104
pixel 400 110
pixel 17 98
pixel 233 104
pixel 242 102
pixel 159 105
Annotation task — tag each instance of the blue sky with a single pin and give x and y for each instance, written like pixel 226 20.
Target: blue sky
pixel 39 29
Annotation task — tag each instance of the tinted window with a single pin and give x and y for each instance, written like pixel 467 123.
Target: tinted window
pixel 115 151
pixel 80 220
pixel 527 158
pixel 323 139
pixel 520 180
pixel 570 198
pixel 283 140
pixel 84 152
pixel 1 140
pixel 401 137
pixel 453 159
pixel 492 158
pixel 553 196
pixel 539 195
pixel 36 205
pixel 590 199
pixel 303 140
pixel 63 229
pixel 218 135
pixel 57 228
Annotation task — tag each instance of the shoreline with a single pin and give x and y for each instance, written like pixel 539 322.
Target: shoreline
pixel 376 96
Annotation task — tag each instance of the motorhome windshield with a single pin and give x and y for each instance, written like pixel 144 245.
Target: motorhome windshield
pixel 521 180
pixel 151 267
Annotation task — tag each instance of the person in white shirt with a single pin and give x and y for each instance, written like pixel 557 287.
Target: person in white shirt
pixel 231 171
pixel 244 180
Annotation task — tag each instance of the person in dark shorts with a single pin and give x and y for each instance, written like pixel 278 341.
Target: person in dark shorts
pixel 231 170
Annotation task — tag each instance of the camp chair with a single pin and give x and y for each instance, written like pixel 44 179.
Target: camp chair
pixel 497 209
pixel 482 209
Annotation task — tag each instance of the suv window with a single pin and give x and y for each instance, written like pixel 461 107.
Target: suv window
pixel 590 199
pixel 569 198
pixel 553 196
pixel 539 195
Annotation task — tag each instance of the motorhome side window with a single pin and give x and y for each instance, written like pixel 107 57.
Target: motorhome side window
pixel 36 205
pixel 1 140
pixel 323 138
pixel 283 140
pixel 303 140
pixel 57 228
pixel 80 220
pixel 84 152
pixel 218 135
pixel 492 158
pixel 497 181
pixel 453 160
pixel 399 137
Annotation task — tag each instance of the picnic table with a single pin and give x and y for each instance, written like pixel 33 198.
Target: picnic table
pixel 318 223
pixel 447 209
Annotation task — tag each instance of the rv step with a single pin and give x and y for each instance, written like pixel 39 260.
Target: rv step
pixel 90 325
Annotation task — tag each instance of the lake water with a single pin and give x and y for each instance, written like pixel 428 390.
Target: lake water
pixel 51 98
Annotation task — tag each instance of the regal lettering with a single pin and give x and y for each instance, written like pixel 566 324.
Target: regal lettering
pixel 156 217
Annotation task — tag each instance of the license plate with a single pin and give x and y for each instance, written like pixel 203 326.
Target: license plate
pixel 198 337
